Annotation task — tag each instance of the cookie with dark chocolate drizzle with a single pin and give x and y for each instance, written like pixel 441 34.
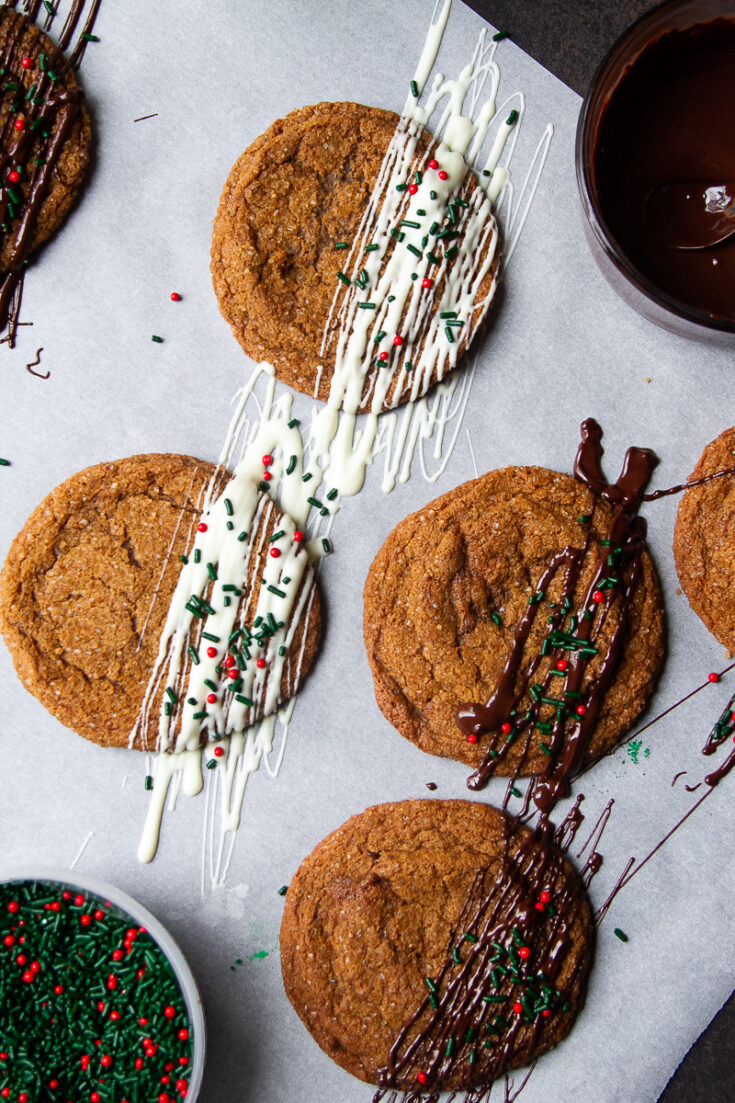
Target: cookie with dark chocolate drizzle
pixel 620 555
pixel 534 583
pixel 45 139
pixel 431 945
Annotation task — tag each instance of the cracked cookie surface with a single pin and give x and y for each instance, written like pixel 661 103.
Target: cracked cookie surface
pixel 301 187
pixel 87 585
pixel 704 541
pixel 448 587
pixel 374 909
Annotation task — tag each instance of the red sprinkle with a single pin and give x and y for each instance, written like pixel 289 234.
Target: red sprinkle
pixel 58 989
pixel 99 914
pixel 14 176
pixel 546 1012
pixel 114 1015
pixel 713 677
pixel 218 752
pixel 581 710
pixel 95 1097
pixel 298 536
pixel 275 553
pixel 545 897
pixel 211 698
pixel 433 163
pixel 211 652
pixel 175 297
pixel 506 728
pixel 518 1008
pixel 561 664
pixel 230 661
pixel 21 959
pixel 26 62
pixel 539 907
pixel 426 282
pixel 267 461
pixel 267 476
pixel 233 674
pixel 442 174
pixel 28 976
pixel 13 906
pixel 9 940
pixel 397 340
pixel 78 900
pixel 422 1077
pixel 139 1062
pixel 598 596
pixel 183 1036
pixel 472 738
pixel 53 1084
pixel 85 919
pixel 524 953
pixel 260 663
pixel 383 356
pixel 412 189
pixel 5 1093
pixel 202 526
pixel 112 982
pixel 20 124
pixel 106 1061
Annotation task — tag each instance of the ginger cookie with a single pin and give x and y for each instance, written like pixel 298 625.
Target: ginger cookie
pixel 124 557
pixel 430 945
pixel 704 540
pixel 46 140
pixel 354 254
pixel 515 590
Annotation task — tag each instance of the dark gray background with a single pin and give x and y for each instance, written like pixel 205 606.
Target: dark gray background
pixel 570 38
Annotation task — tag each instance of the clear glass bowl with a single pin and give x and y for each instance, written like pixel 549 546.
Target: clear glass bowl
pixel 635 288
pixel 69 879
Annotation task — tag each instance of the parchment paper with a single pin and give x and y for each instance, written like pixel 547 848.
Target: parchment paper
pixel 563 347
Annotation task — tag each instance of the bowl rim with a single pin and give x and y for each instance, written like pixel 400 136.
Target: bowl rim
pixel 587 191
pixel 69 878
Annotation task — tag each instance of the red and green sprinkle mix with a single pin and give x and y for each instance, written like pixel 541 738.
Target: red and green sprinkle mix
pixel 90 1008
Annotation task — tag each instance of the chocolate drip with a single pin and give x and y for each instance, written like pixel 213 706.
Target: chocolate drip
pixel 571 735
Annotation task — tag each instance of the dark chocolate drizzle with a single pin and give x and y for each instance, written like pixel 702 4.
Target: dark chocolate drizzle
pixel 467 1014
pixel 571 734
pixel 50 115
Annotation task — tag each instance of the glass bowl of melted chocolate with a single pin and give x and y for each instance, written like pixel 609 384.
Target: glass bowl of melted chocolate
pixel 656 167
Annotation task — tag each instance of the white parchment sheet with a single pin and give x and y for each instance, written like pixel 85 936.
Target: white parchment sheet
pixel 563 347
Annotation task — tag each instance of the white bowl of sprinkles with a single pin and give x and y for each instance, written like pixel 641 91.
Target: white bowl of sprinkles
pixel 99 1002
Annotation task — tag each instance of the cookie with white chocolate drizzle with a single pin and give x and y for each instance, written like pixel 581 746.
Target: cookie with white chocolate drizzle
pixel 355 254
pixel 92 601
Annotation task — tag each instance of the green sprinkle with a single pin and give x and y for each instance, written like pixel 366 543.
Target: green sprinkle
pixel 451 252
pixel 199 715
pixel 171 695
pixel 276 591
pixel 283 890
pixel 193 655
pixel 305 478
pixel 499 35
pixel 414 89
pixel 401 187
pixel 371 248
pixel 515 792
pixel 584 518
pixel 332 494
pixel 469 937
pixel 546 749
pixel 326 546
pixel 230 526
pixel 397 234
pixel 379 337
pixel 242 536
pixel 448 314
pixel 212 571
pixel 511 118
pixel 291 465
pixel 416 252
pixel 493 999
pixel 496 619
pixel 430 984
pixel 197 555
pixel 449 335
pixel 432 259
pixel 168 708
pixel 366 306
pixel 4 463
pixel 432 194
pixel 456 956
pixel 276 536
pixel 293 423
pixel 314 502
pixel 243 700
pixel 450 1048
pixel 345 279
pixel 341 245
pixel 410 224
pixel 158 340
pixel 90 38
pixel 211 763
pixel 148 781
pixel 620 934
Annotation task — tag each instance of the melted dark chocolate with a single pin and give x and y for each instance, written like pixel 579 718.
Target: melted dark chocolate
pixel 671 119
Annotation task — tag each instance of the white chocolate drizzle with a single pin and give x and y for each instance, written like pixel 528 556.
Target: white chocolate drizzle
pixel 417 226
